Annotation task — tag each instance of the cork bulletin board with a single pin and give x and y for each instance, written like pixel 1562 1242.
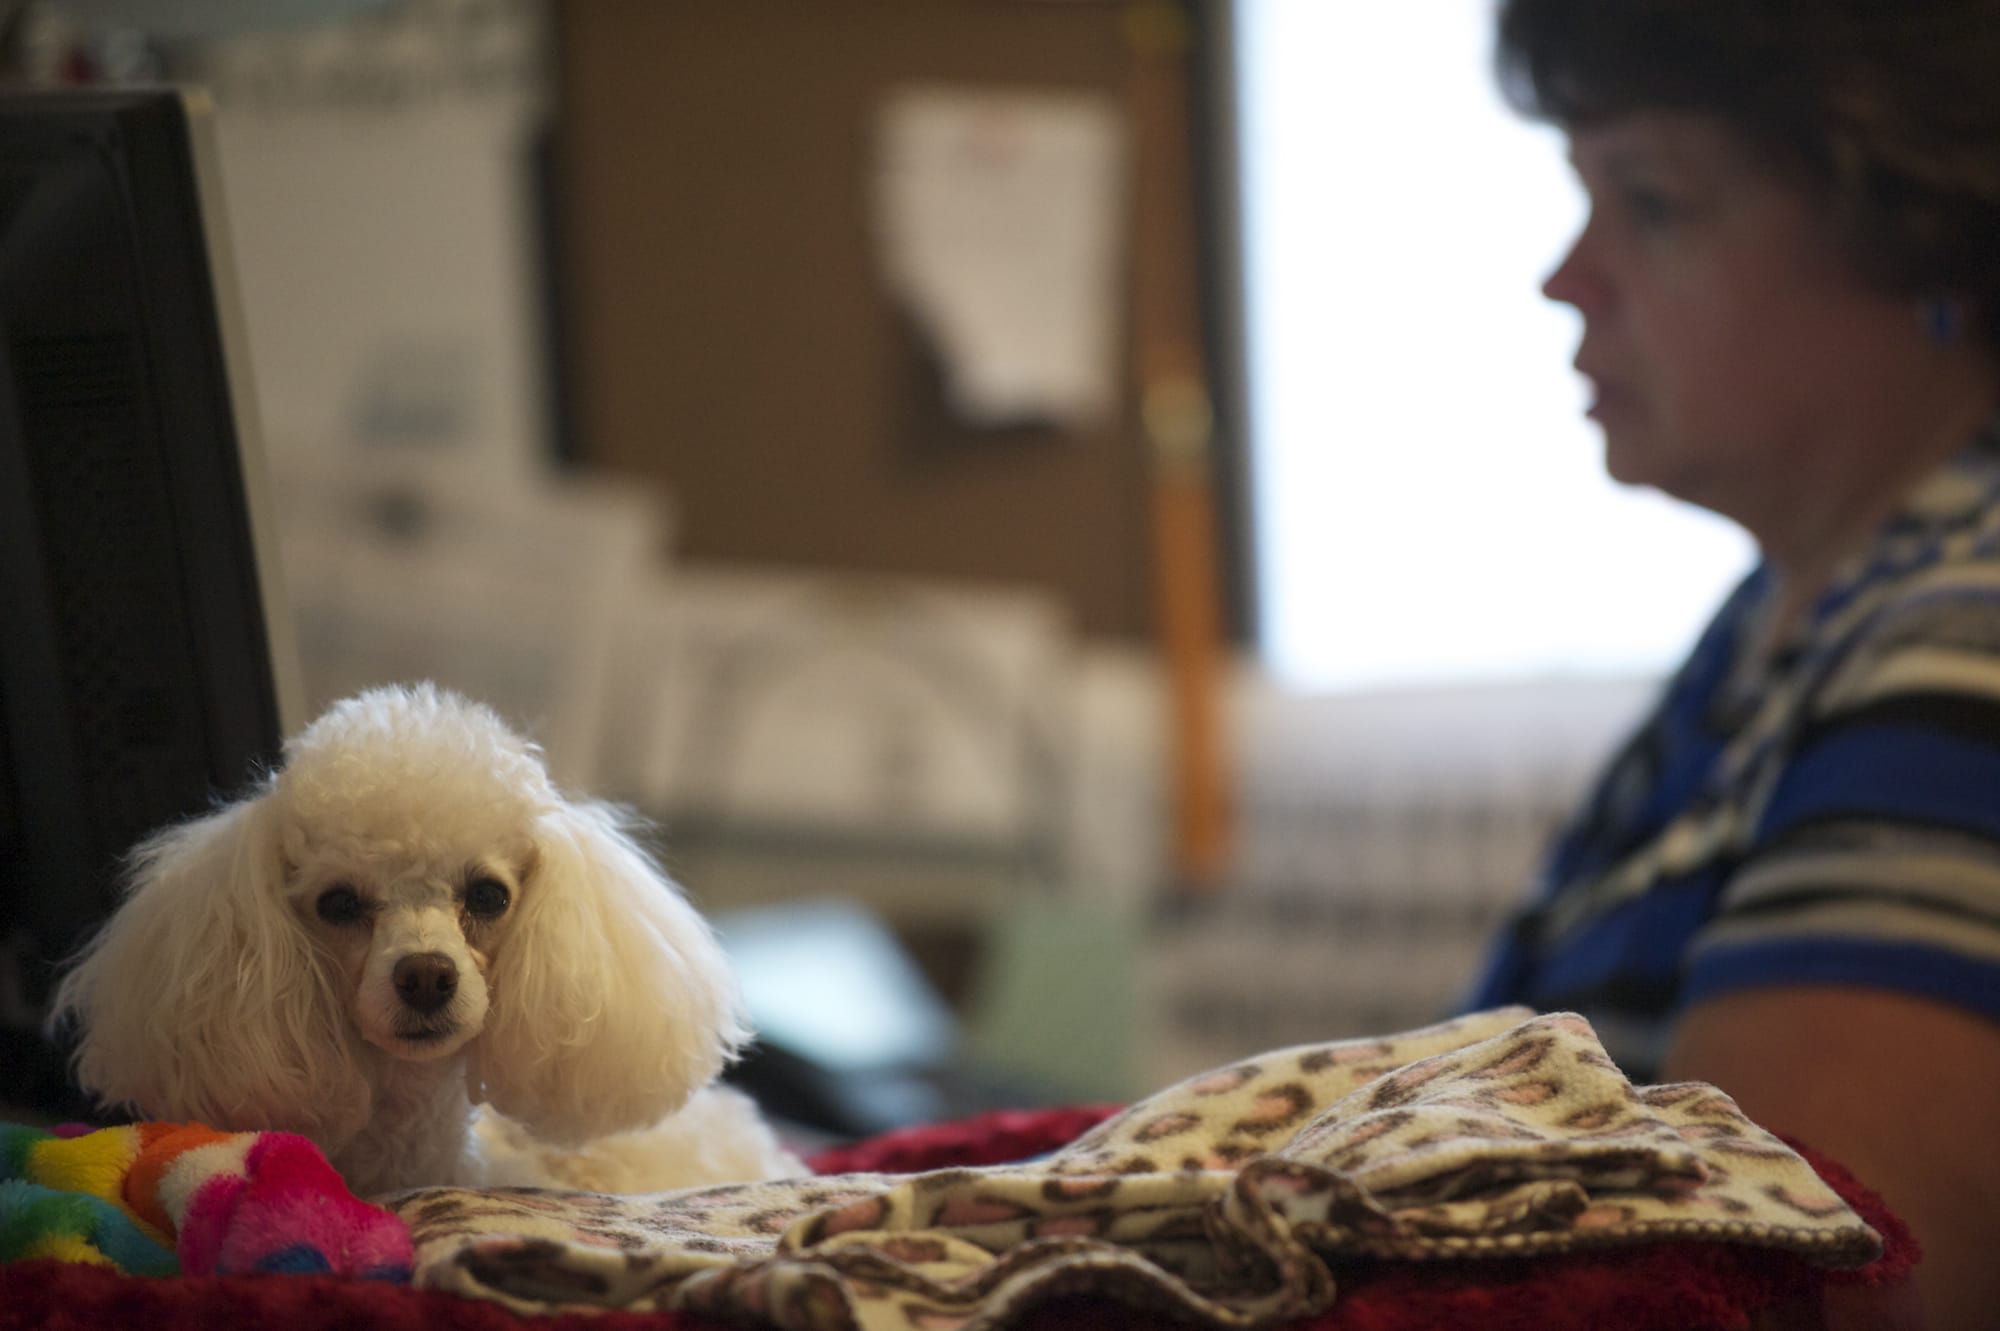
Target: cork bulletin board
pixel 726 331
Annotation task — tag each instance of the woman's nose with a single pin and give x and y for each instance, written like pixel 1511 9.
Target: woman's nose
pixel 1576 280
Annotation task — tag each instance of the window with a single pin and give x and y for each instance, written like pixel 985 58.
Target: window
pixel 1429 500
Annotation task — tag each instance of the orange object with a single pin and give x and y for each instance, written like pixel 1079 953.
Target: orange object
pixel 160 1144
pixel 1179 427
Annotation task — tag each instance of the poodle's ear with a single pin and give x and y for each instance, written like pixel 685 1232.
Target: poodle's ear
pixel 611 999
pixel 201 998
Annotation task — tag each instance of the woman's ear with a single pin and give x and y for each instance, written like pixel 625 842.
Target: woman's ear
pixel 611 999
pixel 202 999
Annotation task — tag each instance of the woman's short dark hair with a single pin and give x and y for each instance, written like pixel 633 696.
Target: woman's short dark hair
pixel 1888 109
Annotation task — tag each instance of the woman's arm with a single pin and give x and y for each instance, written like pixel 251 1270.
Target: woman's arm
pixel 1903 1091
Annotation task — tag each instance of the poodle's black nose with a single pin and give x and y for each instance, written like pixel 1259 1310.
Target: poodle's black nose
pixel 426 980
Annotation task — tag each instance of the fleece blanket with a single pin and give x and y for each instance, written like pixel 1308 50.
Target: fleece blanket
pixel 167 1198
pixel 1231 1199
pixel 1679 1286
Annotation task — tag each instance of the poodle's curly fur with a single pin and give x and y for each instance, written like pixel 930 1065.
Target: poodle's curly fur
pixel 409 946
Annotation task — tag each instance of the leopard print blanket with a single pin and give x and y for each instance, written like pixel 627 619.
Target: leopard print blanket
pixel 1222 1200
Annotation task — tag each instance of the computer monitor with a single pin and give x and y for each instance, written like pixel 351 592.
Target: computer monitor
pixel 145 660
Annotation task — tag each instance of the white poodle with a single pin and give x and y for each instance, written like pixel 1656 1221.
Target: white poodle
pixel 409 947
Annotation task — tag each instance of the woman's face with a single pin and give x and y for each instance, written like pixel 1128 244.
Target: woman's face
pixel 1726 338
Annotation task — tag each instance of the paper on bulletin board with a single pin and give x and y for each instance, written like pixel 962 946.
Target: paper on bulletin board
pixel 998 217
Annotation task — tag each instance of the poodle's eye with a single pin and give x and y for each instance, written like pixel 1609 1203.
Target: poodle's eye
pixel 339 905
pixel 487 898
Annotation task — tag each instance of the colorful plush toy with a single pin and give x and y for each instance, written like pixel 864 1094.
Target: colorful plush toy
pixel 156 1198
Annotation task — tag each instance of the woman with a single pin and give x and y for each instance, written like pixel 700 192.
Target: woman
pixel 1788 884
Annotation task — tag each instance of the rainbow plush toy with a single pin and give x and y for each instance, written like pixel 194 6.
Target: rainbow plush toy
pixel 160 1198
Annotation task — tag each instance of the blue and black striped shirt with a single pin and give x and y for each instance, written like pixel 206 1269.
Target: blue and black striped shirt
pixel 1828 812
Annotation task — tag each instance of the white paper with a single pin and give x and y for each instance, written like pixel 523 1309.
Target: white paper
pixel 998 215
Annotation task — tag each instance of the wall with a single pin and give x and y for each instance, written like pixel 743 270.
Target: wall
pixel 385 280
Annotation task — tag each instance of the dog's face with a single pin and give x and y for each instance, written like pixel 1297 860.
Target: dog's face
pixel 409 853
pixel 412 939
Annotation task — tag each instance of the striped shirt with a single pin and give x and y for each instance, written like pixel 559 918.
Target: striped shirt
pixel 1828 812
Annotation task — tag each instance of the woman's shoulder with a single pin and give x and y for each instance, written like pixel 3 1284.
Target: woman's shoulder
pixel 1934 632
pixel 1921 615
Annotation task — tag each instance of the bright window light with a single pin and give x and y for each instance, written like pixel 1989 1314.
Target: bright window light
pixel 1430 502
